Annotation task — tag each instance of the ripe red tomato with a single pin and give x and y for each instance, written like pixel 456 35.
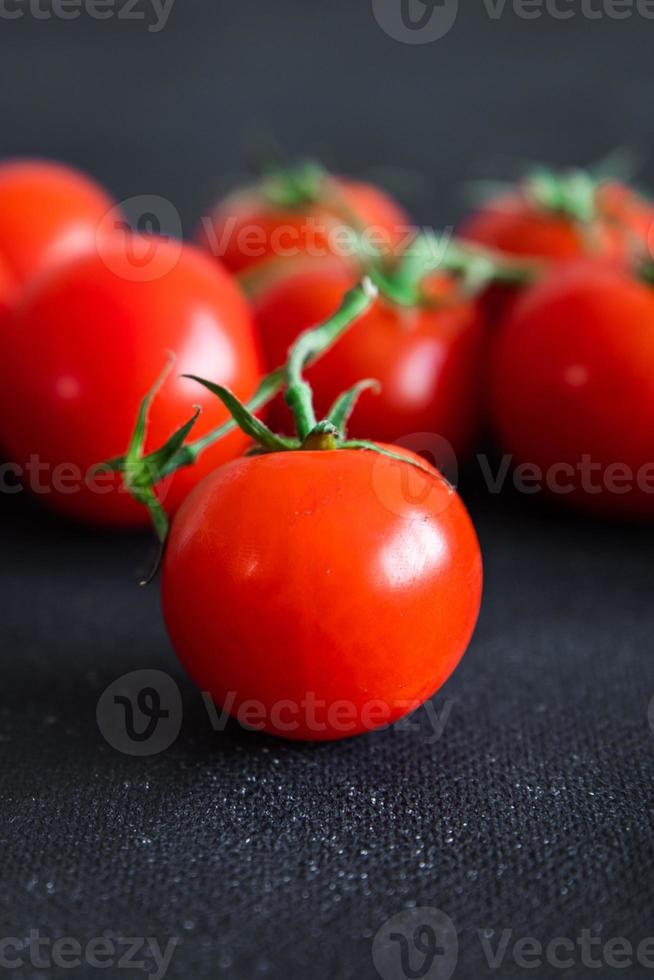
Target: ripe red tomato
pixel 6 288
pixel 89 339
pixel 48 212
pixel 516 224
pixel 247 229
pixel 427 359
pixel 321 594
pixel 573 387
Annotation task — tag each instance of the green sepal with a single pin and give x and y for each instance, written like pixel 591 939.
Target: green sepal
pixel 382 451
pixel 155 463
pixel 340 412
pixel 244 419
pixel 572 193
pixel 294 187
pixel 134 452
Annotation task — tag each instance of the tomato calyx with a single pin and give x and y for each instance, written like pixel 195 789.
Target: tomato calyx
pixel 571 193
pixel 472 266
pixel 294 187
pixel 142 471
pixel 312 434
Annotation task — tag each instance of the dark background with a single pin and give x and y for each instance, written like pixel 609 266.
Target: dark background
pixel 533 812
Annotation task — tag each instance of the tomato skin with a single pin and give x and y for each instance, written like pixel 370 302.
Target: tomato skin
pixel 245 231
pixel 573 375
pixel 48 212
pixel 513 224
pixel 86 342
pixel 6 290
pixel 427 360
pixel 317 574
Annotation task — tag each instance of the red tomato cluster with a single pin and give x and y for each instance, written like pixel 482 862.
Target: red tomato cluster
pixel 315 571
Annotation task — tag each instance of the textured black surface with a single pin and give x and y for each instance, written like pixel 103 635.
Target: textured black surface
pixel 533 812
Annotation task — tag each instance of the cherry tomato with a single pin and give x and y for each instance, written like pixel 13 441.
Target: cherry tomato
pixel 514 223
pixel 573 387
pixel 48 212
pixel 427 359
pixel 246 229
pixel 321 594
pixel 6 288
pixel 90 338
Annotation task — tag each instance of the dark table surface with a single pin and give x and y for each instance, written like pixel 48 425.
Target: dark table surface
pixel 531 816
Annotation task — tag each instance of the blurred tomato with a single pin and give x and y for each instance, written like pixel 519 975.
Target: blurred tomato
pixel 307 215
pixel 48 212
pixel 427 358
pixel 86 342
pixel 517 223
pixel 6 286
pixel 573 387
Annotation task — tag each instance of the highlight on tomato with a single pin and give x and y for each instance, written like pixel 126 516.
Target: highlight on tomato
pixel 571 214
pixel 48 213
pixel 424 338
pixel 299 211
pixel 572 387
pixel 88 338
pixel 320 586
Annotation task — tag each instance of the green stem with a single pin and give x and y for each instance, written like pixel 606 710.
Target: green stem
pixel 298 394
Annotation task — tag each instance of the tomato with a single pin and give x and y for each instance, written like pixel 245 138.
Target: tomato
pixel 89 339
pixel 427 359
pixel 247 228
pixel 517 224
pixel 6 289
pixel 573 387
pixel 320 594
pixel 48 212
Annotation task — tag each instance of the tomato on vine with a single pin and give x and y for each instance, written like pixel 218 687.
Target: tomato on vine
pixel 84 342
pixel 300 211
pixel 572 386
pixel 424 339
pixel 562 216
pixel 320 586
